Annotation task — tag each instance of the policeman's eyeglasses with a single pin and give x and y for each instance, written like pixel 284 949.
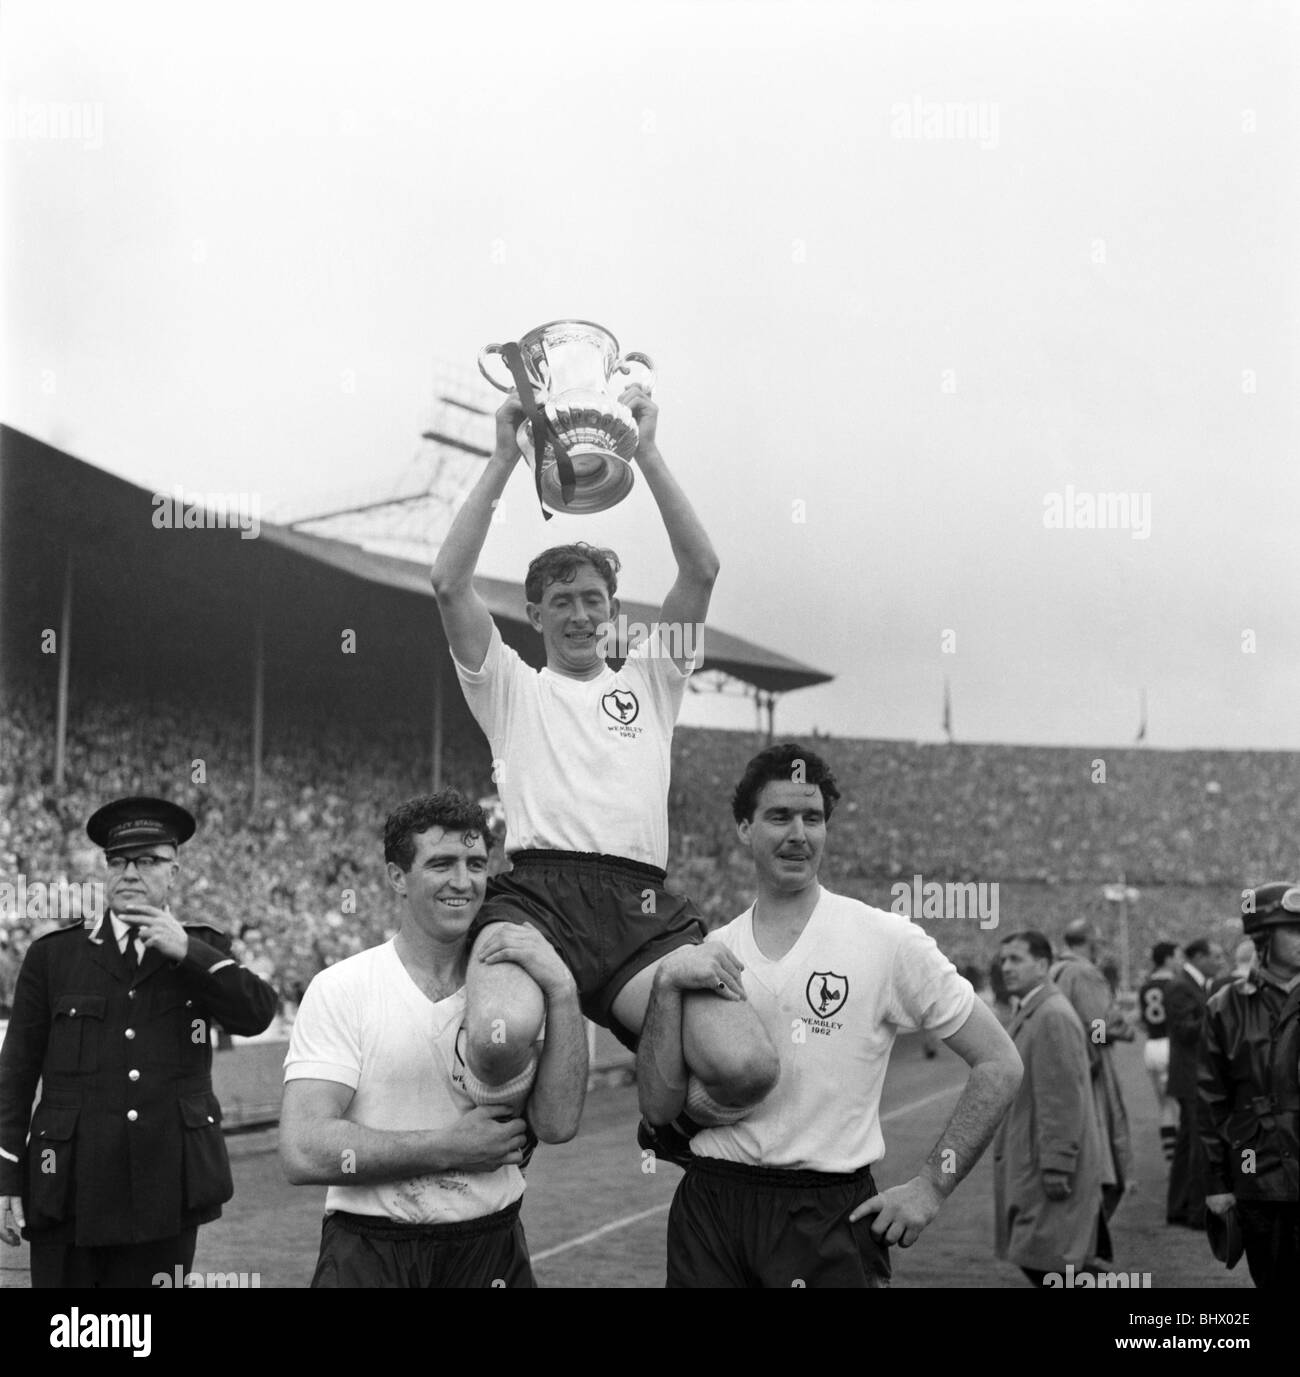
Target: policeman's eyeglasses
pixel 143 864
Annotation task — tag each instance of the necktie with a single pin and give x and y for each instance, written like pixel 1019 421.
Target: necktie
pixel 130 954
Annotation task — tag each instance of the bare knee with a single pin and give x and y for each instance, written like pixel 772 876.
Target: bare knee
pixel 497 1046
pixel 738 1064
pixel 751 1075
pixel 503 1020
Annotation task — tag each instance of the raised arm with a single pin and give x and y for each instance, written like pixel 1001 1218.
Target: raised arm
pixel 982 1043
pixel 687 603
pixel 319 1145
pixel 465 616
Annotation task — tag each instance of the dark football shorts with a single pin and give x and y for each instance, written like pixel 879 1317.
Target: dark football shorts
pixel 359 1250
pixel 742 1226
pixel 607 917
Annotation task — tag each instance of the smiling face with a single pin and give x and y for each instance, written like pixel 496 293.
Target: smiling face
pixel 787 835
pixel 570 617
pixel 141 875
pixel 445 885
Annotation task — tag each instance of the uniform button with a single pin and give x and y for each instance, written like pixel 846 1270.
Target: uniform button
pixel 133 1075
pixel 211 1120
pixel 189 1003
pixel 130 1033
pixel 132 1115
pixel 72 1013
pixel 130 994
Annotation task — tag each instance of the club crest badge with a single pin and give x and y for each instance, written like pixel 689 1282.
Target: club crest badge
pixel 621 705
pixel 826 993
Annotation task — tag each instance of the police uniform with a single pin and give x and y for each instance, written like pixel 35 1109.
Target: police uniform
pixel 126 1156
pixel 1248 1090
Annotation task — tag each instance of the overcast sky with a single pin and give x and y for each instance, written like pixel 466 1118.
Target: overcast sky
pixel 240 267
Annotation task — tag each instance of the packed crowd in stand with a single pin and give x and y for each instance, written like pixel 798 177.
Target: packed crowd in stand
pixel 299 880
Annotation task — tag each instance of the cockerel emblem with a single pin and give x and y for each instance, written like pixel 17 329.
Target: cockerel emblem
pixel 826 992
pixel 621 705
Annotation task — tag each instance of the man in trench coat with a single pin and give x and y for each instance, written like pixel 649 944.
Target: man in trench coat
pixel 1079 980
pixel 1047 1156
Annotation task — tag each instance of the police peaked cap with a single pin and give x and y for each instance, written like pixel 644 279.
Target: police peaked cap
pixel 128 822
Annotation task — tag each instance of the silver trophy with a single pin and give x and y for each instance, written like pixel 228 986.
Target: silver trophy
pixel 573 367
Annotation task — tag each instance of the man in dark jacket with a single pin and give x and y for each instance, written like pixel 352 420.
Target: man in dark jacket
pixel 1249 1092
pixel 126 1157
pixel 1185 1009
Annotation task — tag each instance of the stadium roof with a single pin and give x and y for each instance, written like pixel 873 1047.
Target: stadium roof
pixel 766 669
pixel 53 501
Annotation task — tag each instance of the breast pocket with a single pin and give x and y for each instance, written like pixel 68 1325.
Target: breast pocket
pixel 50 1165
pixel 206 1164
pixel 76 1032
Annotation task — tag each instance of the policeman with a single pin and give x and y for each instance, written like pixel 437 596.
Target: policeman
pixel 126 1156
pixel 1248 1087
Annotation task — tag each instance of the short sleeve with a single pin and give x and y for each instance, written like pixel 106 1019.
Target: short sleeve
pixel 487 689
pixel 656 650
pixel 927 990
pixel 650 662
pixel 325 1044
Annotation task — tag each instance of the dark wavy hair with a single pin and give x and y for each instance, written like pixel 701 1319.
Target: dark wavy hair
pixel 448 809
pixel 560 564
pixel 1039 947
pixel 787 760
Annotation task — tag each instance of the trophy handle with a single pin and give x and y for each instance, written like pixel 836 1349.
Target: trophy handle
pixel 482 354
pixel 646 362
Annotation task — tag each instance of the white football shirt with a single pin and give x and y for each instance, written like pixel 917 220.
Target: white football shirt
pixel 366 1024
pixel 833 1005
pixel 580 764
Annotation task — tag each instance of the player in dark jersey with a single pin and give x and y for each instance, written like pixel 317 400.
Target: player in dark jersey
pixel 1155 1056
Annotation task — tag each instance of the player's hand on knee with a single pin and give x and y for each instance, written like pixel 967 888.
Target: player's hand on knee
pixel 902 1212
pixel 1220 1204
pixel 709 966
pixel 11 1219
pixel 488 1137
pixel 524 946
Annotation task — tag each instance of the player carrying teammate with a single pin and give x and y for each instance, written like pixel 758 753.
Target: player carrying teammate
pixel 1155 1022
pixel 785 1196
pixel 582 758
pixel 424 1185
